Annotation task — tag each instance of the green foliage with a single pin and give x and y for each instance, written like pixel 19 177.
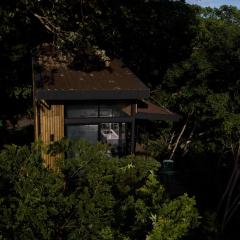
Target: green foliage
pixel 205 86
pixel 15 73
pixel 156 148
pixel 174 219
pixel 90 196
pixel 191 54
pixel 134 31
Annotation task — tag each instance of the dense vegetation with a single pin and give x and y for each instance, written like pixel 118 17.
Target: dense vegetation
pixel 90 196
pixel 187 55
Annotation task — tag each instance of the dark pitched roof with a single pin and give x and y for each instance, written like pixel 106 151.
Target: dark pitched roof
pixel 59 82
pixel 150 111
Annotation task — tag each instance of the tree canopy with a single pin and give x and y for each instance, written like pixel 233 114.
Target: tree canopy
pixel 189 57
pixel 90 196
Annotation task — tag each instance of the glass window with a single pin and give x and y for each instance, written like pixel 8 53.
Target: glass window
pixel 86 110
pixel 111 110
pixel 106 111
pixel 86 132
pixel 113 134
pixel 81 111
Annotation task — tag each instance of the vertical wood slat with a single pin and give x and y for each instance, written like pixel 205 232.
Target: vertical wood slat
pixel 36 133
pixel 52 122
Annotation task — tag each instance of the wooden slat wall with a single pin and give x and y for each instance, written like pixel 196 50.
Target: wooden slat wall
pixel 51 123
pixel 36 133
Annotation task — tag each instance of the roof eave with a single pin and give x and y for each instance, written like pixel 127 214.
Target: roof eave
pixel 157 116
pixel 91 94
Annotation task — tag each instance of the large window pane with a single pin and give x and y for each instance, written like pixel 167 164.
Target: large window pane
pixel 86 132
pixel 106 111
pixel 113 134
pixel 111 110
pixel 86 110
pixel 81 111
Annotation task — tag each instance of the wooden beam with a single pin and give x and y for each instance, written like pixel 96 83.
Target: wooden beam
pixel 93 120
pixel 133 115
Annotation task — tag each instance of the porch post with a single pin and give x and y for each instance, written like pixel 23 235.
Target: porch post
pixel 133 113
pixel 120 144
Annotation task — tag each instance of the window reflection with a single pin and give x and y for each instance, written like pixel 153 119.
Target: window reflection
pixel 113 134
pixel 81 111
pixel 111 110
pixel 95 110
pixel 86 132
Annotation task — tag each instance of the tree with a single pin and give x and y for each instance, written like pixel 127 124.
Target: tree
pixel 148 35
pixel 91 196
pixel 205 89
pixel 17 38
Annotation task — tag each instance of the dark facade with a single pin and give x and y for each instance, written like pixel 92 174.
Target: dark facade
pixel 100 105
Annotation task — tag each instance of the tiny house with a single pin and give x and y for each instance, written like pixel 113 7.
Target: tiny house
pixel 102 104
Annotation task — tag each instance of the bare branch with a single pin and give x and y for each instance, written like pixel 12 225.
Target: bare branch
pixel 171 140
pixel 178 139
pixel 46 23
